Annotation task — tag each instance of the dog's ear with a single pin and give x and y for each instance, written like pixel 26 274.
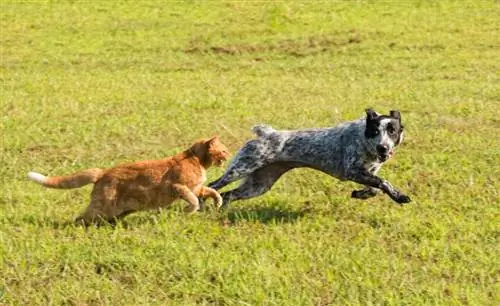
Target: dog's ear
pixel 395 114
pixel 370 114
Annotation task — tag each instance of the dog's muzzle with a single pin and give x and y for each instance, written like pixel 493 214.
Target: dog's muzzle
pixel 384 153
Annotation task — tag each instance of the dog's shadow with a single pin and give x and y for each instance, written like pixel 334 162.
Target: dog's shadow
pixel 265 215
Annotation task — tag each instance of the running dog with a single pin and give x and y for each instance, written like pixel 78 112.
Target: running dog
pixel 352 151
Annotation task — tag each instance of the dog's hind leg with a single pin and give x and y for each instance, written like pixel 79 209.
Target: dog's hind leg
pixel 249 159
pixel 258 182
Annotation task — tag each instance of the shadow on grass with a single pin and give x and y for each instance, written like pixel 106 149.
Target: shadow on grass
pixel 265 215
pixel 57 224
pixel 40 222
pixel 232 216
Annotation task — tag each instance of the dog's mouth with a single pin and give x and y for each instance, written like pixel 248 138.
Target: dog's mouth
pixel 385 157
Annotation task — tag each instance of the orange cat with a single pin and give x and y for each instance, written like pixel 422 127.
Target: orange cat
pixel 145 185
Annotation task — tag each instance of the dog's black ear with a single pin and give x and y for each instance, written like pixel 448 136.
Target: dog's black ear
pixel 370 114
pixel 395 114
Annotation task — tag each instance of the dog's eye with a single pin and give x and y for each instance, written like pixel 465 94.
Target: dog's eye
pixel 376 132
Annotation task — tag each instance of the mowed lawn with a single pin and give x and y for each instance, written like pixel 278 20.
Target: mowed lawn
pixel 94 83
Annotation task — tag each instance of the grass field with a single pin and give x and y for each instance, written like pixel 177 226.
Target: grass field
pixel 86 84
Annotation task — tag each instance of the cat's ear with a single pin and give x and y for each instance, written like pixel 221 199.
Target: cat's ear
pixel 213 140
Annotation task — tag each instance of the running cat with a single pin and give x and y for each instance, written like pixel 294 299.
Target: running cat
pixel 145 185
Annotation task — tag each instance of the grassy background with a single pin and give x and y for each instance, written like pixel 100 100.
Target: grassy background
pixel 87 84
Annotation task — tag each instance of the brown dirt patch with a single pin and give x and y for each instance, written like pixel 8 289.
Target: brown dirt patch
pixel 294 47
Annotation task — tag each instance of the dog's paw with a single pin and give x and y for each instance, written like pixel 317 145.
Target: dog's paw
pixel 402 199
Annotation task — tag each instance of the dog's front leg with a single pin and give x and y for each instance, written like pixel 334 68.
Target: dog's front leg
pixel 365 193
pixel 366 178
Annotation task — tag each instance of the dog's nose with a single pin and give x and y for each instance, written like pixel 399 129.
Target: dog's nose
pixel 382 149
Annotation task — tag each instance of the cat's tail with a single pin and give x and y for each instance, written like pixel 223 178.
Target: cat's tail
pixel 76 180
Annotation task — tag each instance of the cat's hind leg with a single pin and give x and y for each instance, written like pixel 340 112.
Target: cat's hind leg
pixel 95 213
pixel 100 211
pixel 103 205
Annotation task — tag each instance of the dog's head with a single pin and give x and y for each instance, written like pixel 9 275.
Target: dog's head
pixel 211 151
pixel 383 133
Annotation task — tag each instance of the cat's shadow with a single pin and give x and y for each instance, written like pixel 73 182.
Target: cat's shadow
pixel 231 216
pixel 45 222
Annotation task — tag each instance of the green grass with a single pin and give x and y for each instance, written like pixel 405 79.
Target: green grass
pixel 86 84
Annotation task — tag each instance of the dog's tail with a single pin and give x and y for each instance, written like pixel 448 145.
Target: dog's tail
pixel 76 180
pixel 263 130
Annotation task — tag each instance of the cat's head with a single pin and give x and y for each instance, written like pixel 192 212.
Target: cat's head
pixel 211 151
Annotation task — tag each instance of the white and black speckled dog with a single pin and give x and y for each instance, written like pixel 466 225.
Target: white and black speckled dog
pixel 352 151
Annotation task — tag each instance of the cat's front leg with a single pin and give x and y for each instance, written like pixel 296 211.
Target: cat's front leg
pixel 207 192
pixel 186 194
